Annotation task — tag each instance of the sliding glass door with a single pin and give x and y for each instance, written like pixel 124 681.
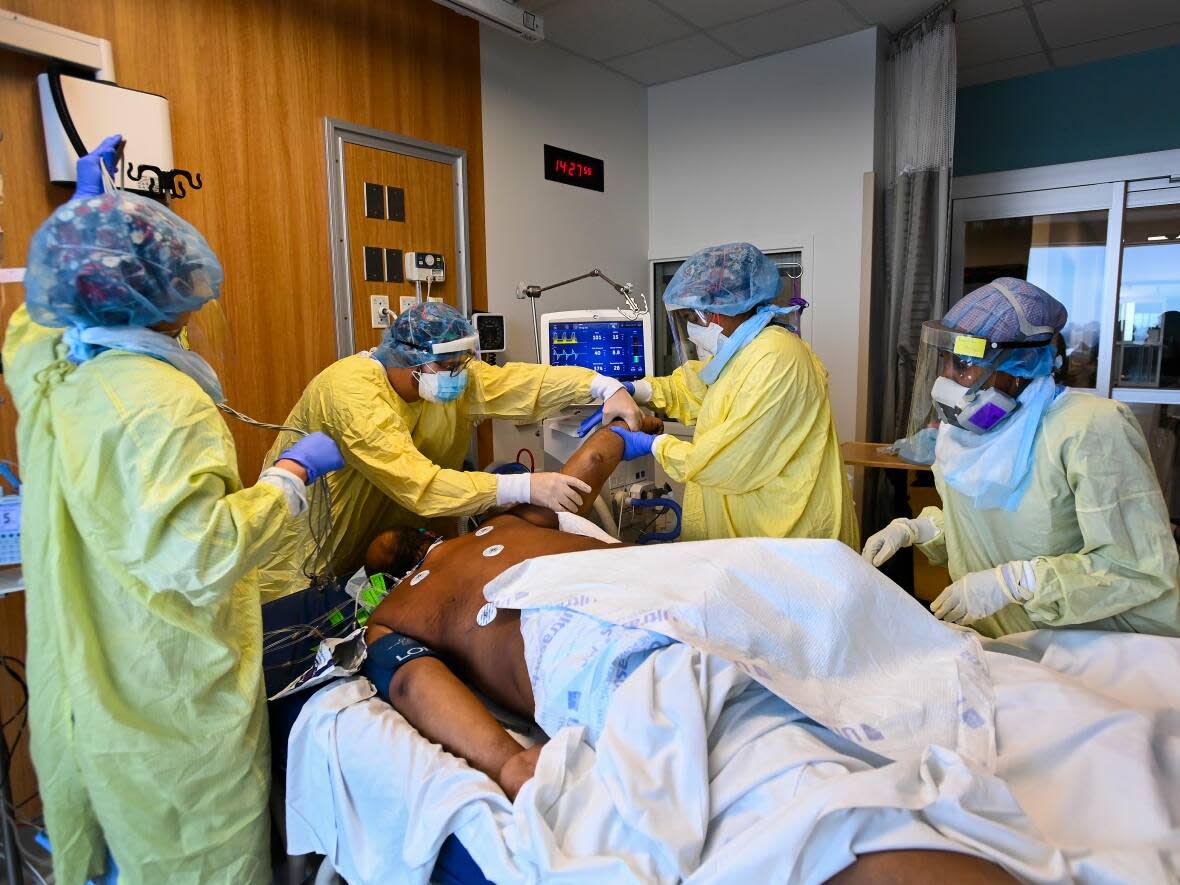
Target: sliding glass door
pixel 1104 239
pixel 1062 252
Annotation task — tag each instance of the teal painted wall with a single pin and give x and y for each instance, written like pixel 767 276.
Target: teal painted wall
pixel 1127 105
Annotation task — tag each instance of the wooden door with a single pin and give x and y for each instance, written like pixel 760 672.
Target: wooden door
pixel 423 221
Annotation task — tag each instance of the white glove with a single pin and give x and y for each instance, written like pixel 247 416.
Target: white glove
pixel 622 406
pixel 557 491
pixel 603 387
pixel 643 391
pixel 881 547
pixel 979 594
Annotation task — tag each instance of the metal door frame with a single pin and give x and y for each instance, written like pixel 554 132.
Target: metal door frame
pixel 1113 184
pixel 338 133
pixel 1077 198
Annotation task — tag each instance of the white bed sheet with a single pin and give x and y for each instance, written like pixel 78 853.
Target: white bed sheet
pixel 701 774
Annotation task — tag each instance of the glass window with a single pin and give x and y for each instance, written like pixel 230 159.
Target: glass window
pixel 1064 254
pixel 1147 332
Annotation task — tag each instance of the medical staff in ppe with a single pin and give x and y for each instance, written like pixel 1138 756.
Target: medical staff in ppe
pixel 404 416
pixel 1052 514
pixel 139 544
pixel 764 459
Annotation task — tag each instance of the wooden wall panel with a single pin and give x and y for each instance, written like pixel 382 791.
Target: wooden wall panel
pixel 429 186
pixel 250 82
pixel 12 642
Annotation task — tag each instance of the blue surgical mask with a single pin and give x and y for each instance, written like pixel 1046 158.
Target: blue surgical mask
pixel 441 387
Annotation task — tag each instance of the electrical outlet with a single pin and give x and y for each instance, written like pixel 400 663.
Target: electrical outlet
pixel 379 305
pixel 406 302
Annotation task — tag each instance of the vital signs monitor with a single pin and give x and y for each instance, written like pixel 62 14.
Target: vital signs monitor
pixel 609 341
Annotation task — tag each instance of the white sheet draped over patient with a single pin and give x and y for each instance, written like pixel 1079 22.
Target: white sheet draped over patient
pixel 1071 773
pixel 804 618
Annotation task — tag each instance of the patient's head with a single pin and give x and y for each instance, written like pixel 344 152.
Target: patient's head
pixel 398 550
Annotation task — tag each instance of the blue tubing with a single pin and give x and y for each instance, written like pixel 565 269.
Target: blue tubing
pixel 659 537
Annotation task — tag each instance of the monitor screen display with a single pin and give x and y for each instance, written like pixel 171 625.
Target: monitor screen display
pixel 609 347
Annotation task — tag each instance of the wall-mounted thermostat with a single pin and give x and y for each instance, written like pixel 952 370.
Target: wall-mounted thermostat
pixel 491 331
pixel 425 267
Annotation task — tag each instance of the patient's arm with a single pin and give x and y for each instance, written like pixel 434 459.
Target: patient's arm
pixel 593 462
pixel 444 710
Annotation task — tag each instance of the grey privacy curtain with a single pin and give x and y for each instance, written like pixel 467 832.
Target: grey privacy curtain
pixel 919 138
pixel 920 135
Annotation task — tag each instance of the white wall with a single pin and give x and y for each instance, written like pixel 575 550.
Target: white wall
pixel 540 231
pixel 774 152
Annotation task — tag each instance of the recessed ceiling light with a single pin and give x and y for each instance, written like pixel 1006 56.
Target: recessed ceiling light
pixel 1156 238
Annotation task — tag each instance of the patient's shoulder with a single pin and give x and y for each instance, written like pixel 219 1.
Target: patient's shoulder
pixel 532 514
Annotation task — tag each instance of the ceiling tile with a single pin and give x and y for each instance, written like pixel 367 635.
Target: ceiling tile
pixel 672 61
pixel 965 10
pixel 808 22
pixel 707 13
pixel 1003 70
pixel 996 37
pixel 1125 44
pixel 601 29
pixel 893 14
pixel 1069 22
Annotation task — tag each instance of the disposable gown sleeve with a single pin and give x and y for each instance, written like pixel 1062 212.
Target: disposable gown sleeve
pixel 1128 557
pixel 525 392
pixel 375 440
pixel 763 431
pixel 161 497
pixel 935 549
pixel 680 394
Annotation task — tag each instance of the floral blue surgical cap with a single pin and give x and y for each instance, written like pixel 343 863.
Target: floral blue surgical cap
pixel 407 342
pixel 117 260
pixel 730 279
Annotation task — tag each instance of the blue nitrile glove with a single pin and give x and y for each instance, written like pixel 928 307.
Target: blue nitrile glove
pixel 90 173
pixel 636 443
pixel 595 419
pixel 317 453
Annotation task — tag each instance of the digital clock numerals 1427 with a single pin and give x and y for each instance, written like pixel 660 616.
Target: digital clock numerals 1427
pixel 572 168
pixel 568 167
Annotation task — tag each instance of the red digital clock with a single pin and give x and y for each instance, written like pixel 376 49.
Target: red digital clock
pixel 579 170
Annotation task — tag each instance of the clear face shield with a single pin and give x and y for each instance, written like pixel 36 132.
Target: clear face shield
pixel 953 384
pixel 453 357
pixel 953 376
pixel 207 333
pixel 694 337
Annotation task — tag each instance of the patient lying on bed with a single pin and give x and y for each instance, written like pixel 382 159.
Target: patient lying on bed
pixel 434 617
pixel 432 637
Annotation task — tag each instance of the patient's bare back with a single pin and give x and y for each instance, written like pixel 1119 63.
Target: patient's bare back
pixel 441 604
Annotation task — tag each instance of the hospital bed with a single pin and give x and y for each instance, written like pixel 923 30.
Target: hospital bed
pixel 1080 780
pixel 317 607
pixel 294 628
